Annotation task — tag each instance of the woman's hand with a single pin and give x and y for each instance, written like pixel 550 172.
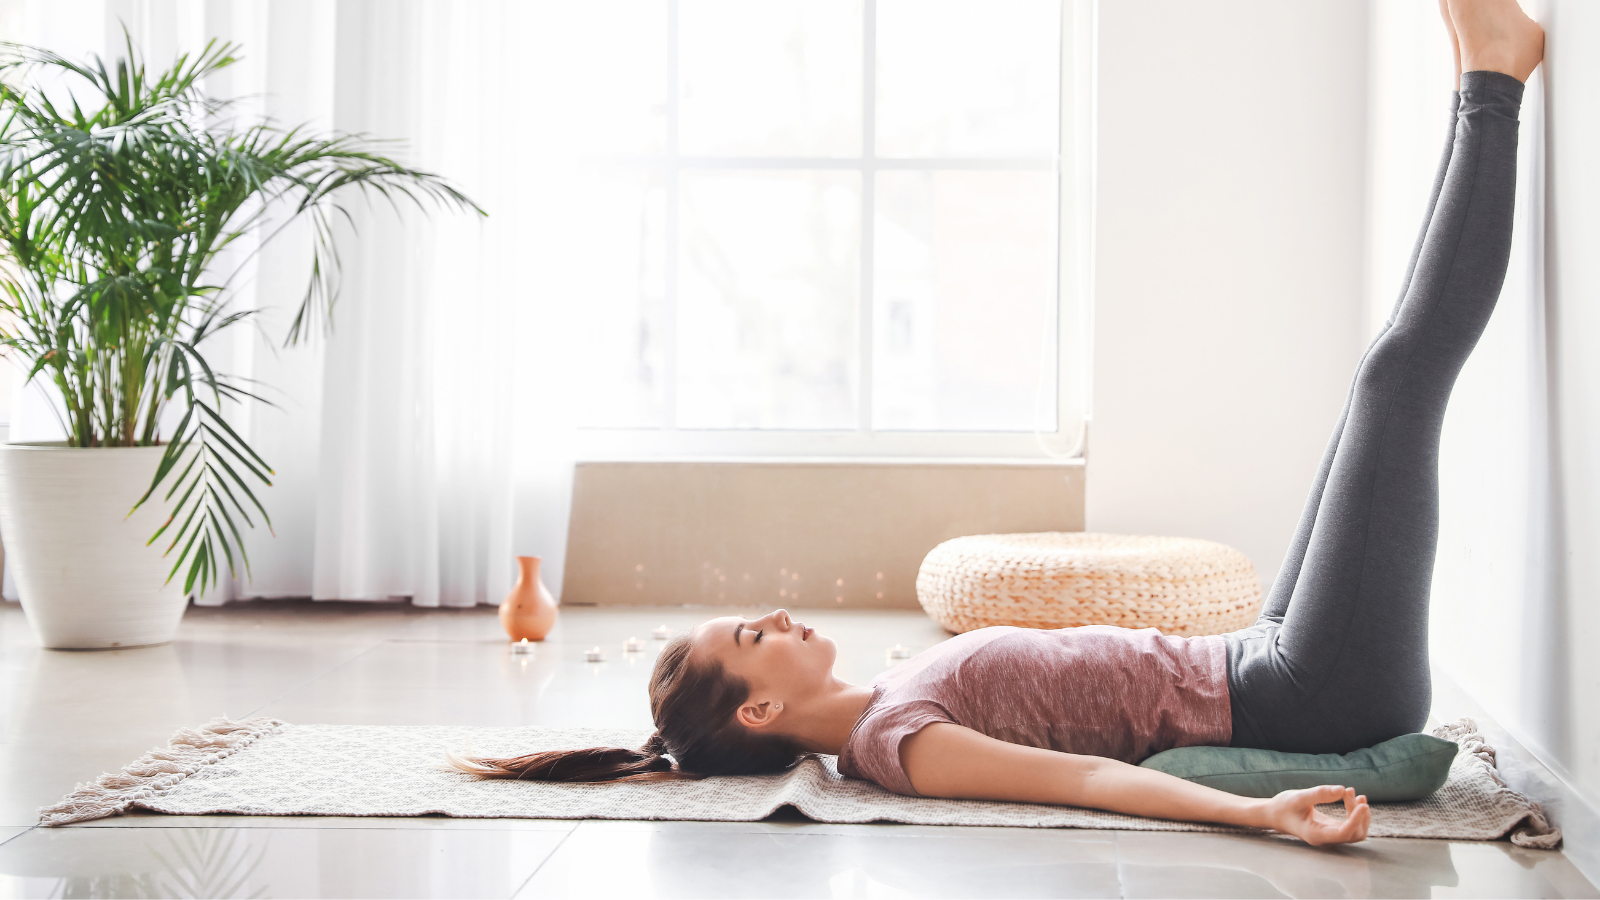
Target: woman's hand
pixel 1296 813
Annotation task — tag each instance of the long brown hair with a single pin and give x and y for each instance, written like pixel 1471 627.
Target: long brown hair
pixel 693 706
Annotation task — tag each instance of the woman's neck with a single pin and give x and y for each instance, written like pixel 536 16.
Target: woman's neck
pixel 827 720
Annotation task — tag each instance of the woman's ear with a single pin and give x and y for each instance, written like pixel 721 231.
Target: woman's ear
pixel 753 714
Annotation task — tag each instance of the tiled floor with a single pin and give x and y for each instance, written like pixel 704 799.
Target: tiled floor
pixel 67 716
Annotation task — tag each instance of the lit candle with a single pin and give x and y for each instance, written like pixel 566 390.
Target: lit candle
pixel 633 645
pixel 522 646
pixel 595 655
pixel 899 652
pixel 661 633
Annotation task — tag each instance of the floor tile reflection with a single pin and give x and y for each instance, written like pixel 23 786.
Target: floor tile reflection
pixel 695 862
pixel 1206 865
pixel 270 862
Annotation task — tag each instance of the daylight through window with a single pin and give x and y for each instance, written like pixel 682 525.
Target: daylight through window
pixel 814 215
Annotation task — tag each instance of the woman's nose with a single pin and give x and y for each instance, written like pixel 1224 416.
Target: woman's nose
pixel 780 617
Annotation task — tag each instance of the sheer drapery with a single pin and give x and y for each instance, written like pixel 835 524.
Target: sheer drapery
pixel 422 440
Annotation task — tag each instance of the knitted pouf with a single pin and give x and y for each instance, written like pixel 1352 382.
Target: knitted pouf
pixel 1056 579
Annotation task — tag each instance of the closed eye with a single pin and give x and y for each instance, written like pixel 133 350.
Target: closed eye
pixel 758 636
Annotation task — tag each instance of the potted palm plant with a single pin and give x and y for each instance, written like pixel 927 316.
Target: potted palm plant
pixel 119 191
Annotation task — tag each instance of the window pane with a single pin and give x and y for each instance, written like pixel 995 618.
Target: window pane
pixel 768 290
pixel 968 77
pixel 963 294
pixel 597 249
pixel 769 78
pixel 596 75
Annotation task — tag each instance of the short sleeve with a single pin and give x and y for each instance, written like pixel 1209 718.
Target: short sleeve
pixel 873 750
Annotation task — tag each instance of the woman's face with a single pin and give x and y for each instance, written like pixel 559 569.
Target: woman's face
pixel 782 660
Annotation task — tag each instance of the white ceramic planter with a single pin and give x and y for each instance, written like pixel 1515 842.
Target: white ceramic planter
pixel 83 572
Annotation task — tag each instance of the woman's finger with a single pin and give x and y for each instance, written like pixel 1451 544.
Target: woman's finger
pixel 1326 793
pixel 1361 817
pixel 1358 817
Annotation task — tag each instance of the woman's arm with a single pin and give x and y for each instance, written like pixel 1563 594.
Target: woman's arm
pixel 945 760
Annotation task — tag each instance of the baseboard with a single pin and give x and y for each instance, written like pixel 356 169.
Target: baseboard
pixel 1530 770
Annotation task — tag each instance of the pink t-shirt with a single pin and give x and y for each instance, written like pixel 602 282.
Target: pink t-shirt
pixel 1098 690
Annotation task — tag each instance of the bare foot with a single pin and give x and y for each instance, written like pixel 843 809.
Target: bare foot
pixel 1455 45
pixel 1496 36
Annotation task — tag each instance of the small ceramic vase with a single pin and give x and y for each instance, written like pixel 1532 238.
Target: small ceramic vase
pixel 529 611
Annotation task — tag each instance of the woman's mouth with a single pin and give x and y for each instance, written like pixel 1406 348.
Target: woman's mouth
pixel 806 632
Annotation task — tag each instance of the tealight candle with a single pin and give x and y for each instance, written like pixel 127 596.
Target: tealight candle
pixel 522 646
pixel 633 645
pixel 595 655
pixel 661 633
pixel 899 652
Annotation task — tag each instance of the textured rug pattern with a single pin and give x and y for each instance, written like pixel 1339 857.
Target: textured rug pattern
pixel 265 767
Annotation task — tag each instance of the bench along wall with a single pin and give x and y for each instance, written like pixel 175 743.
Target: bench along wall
pixel 801 534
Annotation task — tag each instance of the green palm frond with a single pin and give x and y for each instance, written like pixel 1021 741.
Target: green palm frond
pixel 118 191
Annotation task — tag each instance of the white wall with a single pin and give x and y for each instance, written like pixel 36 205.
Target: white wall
pixel 1570 718
pixel 1229 262
pixel 1513 614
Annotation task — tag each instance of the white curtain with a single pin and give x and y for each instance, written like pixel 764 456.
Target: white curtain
pixel 424 440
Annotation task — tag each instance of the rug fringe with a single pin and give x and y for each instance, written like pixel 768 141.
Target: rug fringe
pixel 190 750
pixel 1534 830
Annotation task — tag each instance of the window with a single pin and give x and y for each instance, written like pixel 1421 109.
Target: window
pixel 815 227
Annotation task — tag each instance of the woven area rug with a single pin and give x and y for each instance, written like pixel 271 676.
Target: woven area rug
pixel 264 767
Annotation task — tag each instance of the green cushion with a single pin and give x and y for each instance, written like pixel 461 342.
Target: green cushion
pixel 1408 767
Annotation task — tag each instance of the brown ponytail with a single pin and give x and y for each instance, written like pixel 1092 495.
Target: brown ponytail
pixel 593 764
pixel 696 735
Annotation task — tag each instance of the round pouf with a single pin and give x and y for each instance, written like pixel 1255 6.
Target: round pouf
pixel 1061 579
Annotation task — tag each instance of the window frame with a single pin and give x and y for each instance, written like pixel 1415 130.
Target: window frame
pixel 1074 166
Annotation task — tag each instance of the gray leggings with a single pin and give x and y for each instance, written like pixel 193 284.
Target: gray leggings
pixel 1338 659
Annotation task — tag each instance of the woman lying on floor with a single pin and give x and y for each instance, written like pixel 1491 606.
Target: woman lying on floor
pixel 1337 660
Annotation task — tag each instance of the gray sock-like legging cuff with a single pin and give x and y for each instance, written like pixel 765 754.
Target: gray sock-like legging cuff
pixel 1483 86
